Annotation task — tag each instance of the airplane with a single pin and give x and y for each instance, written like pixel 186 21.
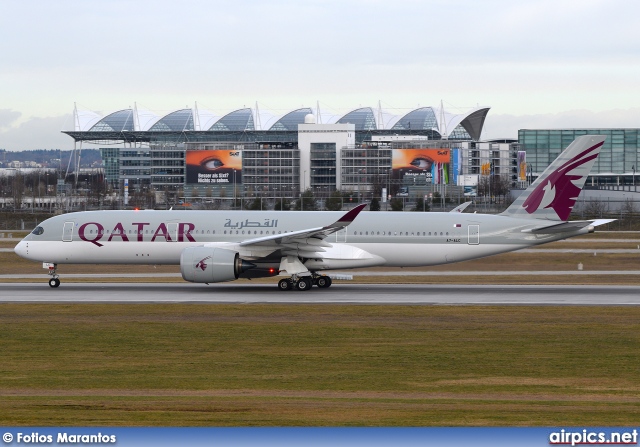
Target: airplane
pixel 218 246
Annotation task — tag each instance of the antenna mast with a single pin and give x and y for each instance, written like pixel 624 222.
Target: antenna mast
pixel 443 122
pixel 196 118
pixel 258 123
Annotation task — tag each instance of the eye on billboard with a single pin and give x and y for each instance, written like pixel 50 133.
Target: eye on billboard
pixel 218 167
pixel 432 163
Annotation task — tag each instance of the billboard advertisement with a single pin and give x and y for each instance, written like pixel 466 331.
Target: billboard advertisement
pixel 522 166
pixel 432 163
pixel 218 167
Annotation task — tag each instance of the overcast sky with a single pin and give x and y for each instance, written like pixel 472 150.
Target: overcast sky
pixel 537 64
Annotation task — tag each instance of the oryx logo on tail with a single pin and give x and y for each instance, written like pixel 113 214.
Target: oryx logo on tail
pixel 558 190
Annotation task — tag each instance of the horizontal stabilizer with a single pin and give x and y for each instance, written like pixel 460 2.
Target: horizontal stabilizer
pixel 567 227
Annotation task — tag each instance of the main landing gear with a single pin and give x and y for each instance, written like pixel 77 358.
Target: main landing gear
pixel 54 281
pixel 304 282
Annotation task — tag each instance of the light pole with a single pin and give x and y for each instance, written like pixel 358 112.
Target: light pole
pixel 46 189
pixel 304 181
pixel 311 184
pixel 234 188
pixel 360 171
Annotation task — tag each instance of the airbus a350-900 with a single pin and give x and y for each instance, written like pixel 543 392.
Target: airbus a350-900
pixel 217 246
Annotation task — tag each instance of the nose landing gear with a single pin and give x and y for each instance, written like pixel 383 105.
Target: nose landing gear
pixel 54 281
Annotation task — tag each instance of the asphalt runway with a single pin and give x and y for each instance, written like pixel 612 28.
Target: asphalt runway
pixel 387 294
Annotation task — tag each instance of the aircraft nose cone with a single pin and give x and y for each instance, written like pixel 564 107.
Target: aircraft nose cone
pixel 21 249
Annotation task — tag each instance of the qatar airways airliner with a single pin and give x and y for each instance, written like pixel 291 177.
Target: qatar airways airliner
pixel 217 246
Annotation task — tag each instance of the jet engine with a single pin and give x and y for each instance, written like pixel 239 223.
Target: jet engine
pixel 211 264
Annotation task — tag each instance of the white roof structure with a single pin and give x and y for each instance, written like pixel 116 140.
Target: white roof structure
pixel 466 125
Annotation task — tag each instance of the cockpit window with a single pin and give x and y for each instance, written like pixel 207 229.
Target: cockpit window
pixel 38 231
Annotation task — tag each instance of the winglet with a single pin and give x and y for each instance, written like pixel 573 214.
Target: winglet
pixel 460 208
pixel 350 216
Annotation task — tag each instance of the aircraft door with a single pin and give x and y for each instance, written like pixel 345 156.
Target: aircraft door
pixel 341 235
pixel 67 232
pixel 474 234
pixel 172 229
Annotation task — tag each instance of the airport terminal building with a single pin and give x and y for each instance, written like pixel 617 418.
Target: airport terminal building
pixel 252 153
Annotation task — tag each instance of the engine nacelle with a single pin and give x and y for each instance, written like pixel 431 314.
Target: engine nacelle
pixel 211 264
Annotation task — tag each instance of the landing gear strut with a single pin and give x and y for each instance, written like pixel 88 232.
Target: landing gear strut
pixel 54 281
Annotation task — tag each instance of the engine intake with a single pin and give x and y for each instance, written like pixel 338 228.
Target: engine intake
pixel 211 264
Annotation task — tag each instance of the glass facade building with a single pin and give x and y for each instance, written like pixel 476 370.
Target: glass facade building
pixel 616 164
pixel 323 166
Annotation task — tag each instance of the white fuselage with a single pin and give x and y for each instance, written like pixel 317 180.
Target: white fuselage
pixel 373 239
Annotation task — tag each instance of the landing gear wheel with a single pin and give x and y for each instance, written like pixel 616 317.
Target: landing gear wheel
pixel 285 284
pixel 54 282
pixel 323 282
pixel 304 283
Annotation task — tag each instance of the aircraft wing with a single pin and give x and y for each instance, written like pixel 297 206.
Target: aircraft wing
pixel 303 242
pixel 567 226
